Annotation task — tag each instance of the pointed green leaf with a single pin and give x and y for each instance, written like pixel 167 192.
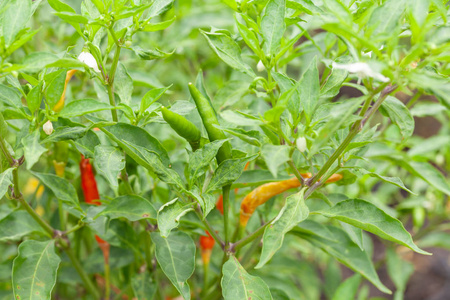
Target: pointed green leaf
pixel 144 287
pixel 55 87
pixel 18 224
pixel 130 207
pixel 227 49
pixel 34 98
pixel 62 189
pixel 237 284
pixel 399 115
pixel 64 133
pixel 34 270
pixel 200 159
pixel 292 213
pixel 367 216
pixel 273 25
pixel 83 106
pixel 123 84
pixel 392 180
pixel 169 215
pixel 429 173
pixel 275 156
pixel 309 89
pixel 109 161
pixel 5 180
pixel 15 18
pixel 399 270
pixel 32 148
pixel 348 288
pixel 10 96
pixel 384 20
pixel 176 257
pixel 151 96
pixel 228 171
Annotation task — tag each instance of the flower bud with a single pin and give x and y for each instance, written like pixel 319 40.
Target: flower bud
pixel 260 66
pixel 301 144
pixel 48 127
pixel 89 60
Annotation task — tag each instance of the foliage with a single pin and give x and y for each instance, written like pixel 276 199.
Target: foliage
pixel 326 91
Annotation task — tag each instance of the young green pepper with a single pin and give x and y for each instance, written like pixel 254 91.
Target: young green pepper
pixel 185 128
pixel 209 118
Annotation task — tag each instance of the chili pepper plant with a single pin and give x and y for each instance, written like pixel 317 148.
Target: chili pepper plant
pixel 235 149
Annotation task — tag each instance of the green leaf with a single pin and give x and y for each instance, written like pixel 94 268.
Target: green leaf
pixel 292 213
pixel 62 189
pixel 348 288
pixel 347 252
pixel 83 106
pixel 228 171
pixel 144 287
pixel 34 270
pixel 55 87
pixel 130 207
pixel 251 137
pixel 123 84
pixel 60 6
pixel 169 215
pixel 15 18
pixel 399 270
pixel 34 98
pixel 275 156
pixel 150 54
pixel 273 26
pixel 399 115
pixel 249 37
pixel 152 162
pixel 176 257
pixel 68 62
pixel 227 49
pixel 5 179
pixel 392 180
pixel 335 80
pixel 72 17
pixel 18 224
pixel 199 160
pixel 122 132
pixel 433 84
pixel 150 27
pixel 64 133
pixel 10 96
pixel 86 145
pixel 428 173
pixel 367 216
pixel 109 161
pixel 159 7
pixel 385 19
pixel 309 89
pixel 237 284
pixel 152 96
pixel 32 148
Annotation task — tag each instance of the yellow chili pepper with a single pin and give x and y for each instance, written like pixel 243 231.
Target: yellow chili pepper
pixel 59 106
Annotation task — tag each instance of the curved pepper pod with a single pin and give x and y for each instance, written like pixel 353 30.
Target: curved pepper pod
pixel 60 104
pixel 183 127
pixel 263 193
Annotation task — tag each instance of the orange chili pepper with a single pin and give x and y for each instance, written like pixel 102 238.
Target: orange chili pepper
pixel 59 106
pixel 91 196
pixel 206 244
pixel 261 194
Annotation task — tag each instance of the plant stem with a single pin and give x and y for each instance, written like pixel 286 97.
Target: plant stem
pixel 226 208
pixel 73 229
pixel 239 244
pixel 112 102
pixel 84 277
pixel 296 172
pixel 356 128
pixel 5 151
pixel 211 231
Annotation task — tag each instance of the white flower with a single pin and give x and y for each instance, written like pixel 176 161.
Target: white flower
pixel 260 66
pixel 362 70
pixel 89 60
pixel 301 144
pixel 48 127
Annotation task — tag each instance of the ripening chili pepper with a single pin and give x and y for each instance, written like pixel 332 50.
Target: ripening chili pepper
pixel 206 244
pixel 261 194
pixel 91 196
pixel 185 128
pixel 209 118
pixel 60 104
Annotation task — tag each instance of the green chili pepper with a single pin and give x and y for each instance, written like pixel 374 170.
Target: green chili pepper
pixel 209 118
pixel 185 128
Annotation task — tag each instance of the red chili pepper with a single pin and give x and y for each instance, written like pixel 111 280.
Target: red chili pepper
pixel 91 196
pixel 206 245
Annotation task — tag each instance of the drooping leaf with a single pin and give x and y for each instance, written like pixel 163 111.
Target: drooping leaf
pixel 228 171
pixel 237 284
pixel 5 179
pixel 169 215
pixel 392 180
pixel 10 96
pixel 275 156
pixel 347 252
pixel 227 49
pixel 109 161
pixel 292 213
pixel 62 189
pixel 65 133
pixel 367 216
pixel 176 257
pixel 399 115
pixel 130 207
pixel 83 106
pixel 32 148
pixel 348 288
pixel 34 270
pixel 18 224
pixel 201 158
pixel 123 84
